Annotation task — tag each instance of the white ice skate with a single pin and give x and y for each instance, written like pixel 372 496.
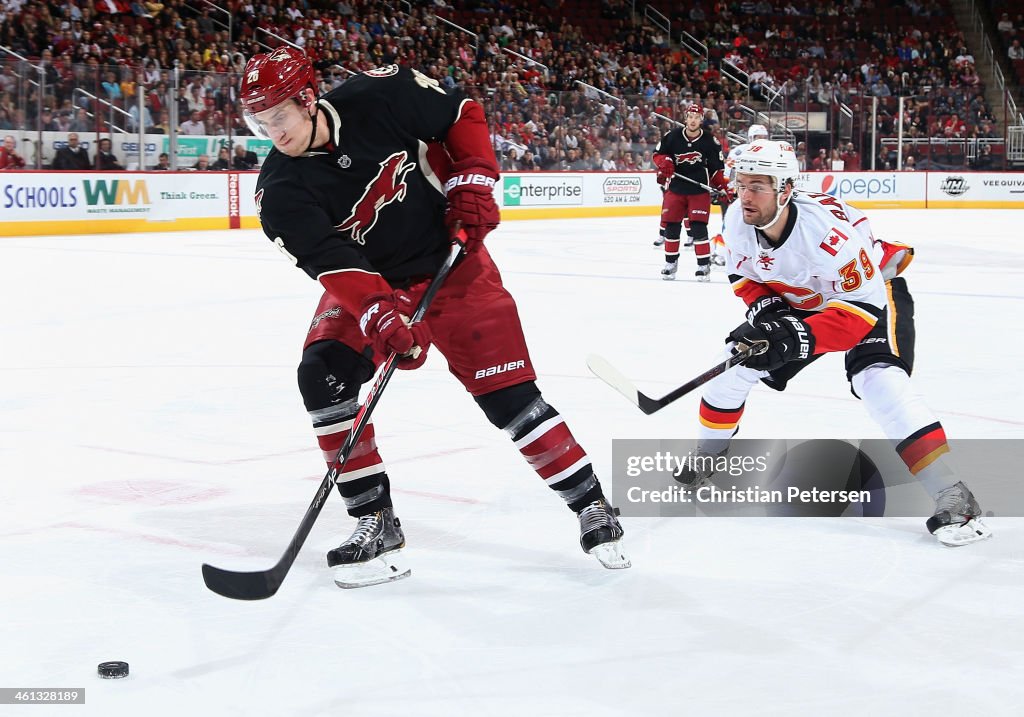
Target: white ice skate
pixel 703 272
pixel 668 272
pixel 957 519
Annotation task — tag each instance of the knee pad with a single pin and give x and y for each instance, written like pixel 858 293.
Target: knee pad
pixel 699 231
pixel 502 406
pixel 330 372
pixel 672 230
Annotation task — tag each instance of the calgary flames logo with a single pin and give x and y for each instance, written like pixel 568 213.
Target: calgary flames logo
pixel 388 186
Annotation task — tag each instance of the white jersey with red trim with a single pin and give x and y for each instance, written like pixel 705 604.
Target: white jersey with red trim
pixel 826 263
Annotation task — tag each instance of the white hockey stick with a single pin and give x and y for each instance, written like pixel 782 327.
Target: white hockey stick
pixel 614 378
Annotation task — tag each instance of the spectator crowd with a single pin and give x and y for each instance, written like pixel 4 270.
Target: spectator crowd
pixel 567 84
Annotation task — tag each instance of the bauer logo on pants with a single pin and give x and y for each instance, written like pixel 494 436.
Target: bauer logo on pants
pixel 500 368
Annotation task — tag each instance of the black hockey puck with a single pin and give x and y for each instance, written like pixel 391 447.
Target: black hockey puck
pixel 112 670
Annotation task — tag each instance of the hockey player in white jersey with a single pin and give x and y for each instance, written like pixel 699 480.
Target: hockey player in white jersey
pixel 815 280
pixel 754 132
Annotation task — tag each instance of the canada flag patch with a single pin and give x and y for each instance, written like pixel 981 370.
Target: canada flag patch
pixel 834 241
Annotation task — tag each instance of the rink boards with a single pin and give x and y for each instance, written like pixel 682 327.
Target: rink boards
pixel 46 203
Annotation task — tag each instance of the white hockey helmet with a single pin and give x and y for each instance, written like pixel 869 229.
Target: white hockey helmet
pixel 775 159
pixel 755 131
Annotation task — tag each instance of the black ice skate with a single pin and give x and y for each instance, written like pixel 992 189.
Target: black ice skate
pixel 697 469
pixel 601 535
pixel 367 557
pixel 957 517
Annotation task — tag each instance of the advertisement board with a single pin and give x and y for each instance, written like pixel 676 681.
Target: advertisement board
pixel 996 190
pixel 869 189
pixel 536 195
pixel 99 202
pixel 38 203
pixel 802 121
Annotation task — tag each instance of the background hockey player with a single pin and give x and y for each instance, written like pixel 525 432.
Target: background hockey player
pixel 815 280
pixel 754 132
pixel 696 156
pixel 355 195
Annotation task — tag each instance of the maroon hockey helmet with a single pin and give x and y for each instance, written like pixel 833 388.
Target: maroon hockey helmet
pixel 695 108
pixel 270 79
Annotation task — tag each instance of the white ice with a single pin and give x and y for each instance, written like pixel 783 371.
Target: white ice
pixel 151 422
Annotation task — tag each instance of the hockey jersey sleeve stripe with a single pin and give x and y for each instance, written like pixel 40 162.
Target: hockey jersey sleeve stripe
pixel 861 310
pixel 719 418
pixel 921 448
pixel 748 289
pixel 350 287
pixel 839 327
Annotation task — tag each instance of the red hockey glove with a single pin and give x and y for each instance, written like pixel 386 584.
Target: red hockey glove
pixel 666 169
pixel 719 182
pixel 471 205
pixel 384 320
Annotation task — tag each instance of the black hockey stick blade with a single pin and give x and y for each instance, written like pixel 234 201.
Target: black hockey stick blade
pixel 261 584
pixel 614 378
pixel 244 586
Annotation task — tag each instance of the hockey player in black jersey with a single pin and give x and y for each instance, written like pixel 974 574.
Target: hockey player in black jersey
pixel 364 190
pixel 696 156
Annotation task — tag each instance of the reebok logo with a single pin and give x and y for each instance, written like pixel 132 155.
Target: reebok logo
pixel 500 368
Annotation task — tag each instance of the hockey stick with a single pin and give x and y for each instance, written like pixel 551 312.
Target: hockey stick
pixel 614 378
pixel 264 583
pixel 705 187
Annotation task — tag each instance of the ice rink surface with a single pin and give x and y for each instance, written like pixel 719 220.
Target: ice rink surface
pixel 150 422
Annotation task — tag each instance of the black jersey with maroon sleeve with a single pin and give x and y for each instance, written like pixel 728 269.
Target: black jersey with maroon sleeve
pixel 368 201
pixel 699 159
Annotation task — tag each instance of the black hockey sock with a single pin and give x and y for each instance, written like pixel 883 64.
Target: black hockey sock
pixel 366 495
pixel 546 443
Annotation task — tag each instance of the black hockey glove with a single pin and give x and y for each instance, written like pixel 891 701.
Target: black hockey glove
pixel 789 339
pixel 765 308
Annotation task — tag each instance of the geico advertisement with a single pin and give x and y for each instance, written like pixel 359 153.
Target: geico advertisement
pixel 870 186
pixel 99 195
